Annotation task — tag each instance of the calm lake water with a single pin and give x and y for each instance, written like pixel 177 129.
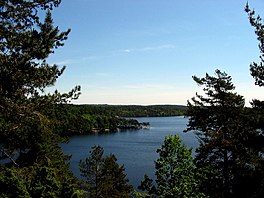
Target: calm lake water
pixel 135 149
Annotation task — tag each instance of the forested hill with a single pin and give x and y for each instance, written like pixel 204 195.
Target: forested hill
pixel 131 110
pixel 84 119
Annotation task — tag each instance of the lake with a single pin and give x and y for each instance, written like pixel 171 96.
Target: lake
pixel 136 149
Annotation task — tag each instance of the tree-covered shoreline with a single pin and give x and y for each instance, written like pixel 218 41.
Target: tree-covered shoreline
pixel 88 119
pixel 132 110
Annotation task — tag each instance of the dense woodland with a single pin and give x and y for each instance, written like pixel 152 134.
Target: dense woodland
pixel 229 161
pixel 85 119
pixel 133 110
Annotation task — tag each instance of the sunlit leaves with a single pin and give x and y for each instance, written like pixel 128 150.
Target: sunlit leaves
pixel 175 172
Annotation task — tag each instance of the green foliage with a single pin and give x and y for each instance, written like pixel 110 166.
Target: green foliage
pixel 132 110
pixel 257 69
pixel 175 172
pixel 136 194
pixel 103 176
pixel 44 184
pixel 78 119
pixel 12 185
pixel 85 119
pixel 116 183
pixel 25 43
pixel 35 181
pixel 226 131
pixel 27 137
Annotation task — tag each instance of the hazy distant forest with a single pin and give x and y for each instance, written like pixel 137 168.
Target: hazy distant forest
pixel 229 161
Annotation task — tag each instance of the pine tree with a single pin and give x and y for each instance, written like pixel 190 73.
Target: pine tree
pixel 104 177
pixel 226 134
pixel 27 136
pixel 25 44
pixel 115 180
pixel 91 170
pixel 257 69
pixel 257 72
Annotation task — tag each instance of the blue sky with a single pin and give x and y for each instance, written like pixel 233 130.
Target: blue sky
pixel 146 51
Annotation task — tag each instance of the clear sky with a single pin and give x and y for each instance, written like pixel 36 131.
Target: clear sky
pixel 146 51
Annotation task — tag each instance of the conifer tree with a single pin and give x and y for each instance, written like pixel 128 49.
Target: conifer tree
pixel 257 69
pixel 27 137
pixel 257 72
pixel 104 177
pixel 226 134
pixel 25 44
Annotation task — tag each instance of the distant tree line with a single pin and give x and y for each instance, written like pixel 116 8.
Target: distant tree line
pixel 85 119
pixel 133 110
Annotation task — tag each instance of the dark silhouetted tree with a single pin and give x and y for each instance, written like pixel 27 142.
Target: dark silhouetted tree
pixel 27 135
pixel 226 133
pixel 257 69
pixel 103 176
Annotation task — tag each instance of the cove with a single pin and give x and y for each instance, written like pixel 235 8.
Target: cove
pixel 136 149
